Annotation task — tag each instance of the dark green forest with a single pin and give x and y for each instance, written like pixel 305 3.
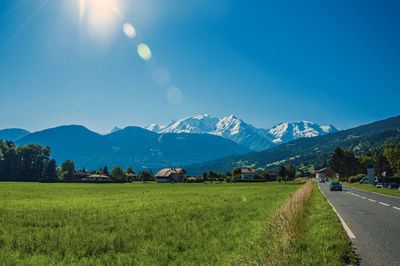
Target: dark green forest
pixel 26 162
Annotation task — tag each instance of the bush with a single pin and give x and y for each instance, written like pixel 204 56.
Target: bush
pixel 356 178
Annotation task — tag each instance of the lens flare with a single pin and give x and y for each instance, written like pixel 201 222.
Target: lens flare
pixel 174 95
pixel 129 30
pixel 161 76
pixel 144 51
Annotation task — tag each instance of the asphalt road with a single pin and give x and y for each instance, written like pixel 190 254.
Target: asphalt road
pixel 374 219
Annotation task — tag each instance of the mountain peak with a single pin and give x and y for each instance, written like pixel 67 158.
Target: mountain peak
pixel 200 116
pixel 237 130
pixel 115 129
pixel 13 134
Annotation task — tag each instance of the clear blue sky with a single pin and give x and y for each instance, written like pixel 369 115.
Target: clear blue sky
pixel 265 61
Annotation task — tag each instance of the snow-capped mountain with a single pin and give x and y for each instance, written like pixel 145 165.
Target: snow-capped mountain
pixel 285 132
pixel 229 127
pixel 237 130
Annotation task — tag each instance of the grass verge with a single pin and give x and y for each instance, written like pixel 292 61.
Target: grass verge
pixel 274 244
pixel 304 231
pixel 323 242
pixel 391 192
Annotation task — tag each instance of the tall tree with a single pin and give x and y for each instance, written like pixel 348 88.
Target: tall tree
pixel 117 173
pixel 236 171
pixel 50 170
pixel 337 162
pixel 204 176
pixel 212 175
pixel 130 170
pixel 68 168
pixel 382 165
pixel 392 155
pixel 351 163
pixel 105 170
pixel 146 176
pixel 291 171
pixel 364 160
pixel 33 159
pixel 282 172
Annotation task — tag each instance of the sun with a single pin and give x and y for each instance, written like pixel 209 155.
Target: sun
pixel 99 11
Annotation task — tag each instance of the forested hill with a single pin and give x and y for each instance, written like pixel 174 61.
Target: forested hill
pixel 131 146
pixel 307 152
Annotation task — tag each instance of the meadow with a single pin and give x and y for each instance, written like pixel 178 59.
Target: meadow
pixel 134 223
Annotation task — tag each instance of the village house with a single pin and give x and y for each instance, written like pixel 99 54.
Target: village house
pixel 247 173
pixel 170 175
pixel 325 172
pixel 98 177
pixel 131 177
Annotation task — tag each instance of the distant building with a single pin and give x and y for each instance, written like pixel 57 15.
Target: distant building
pixel 98 177
pixel 325 172
pixel 247 173
pixel 81 175
pixel 170 175
pixel 131 177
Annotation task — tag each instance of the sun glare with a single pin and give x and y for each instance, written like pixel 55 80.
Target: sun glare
pixel 100 12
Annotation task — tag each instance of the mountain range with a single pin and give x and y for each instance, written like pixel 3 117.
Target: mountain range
pixel 245 134
pixel 201 143
pixel 309 153
pixel 131 146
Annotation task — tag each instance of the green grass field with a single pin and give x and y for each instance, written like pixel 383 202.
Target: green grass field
pixel 134 223
pixel 392 192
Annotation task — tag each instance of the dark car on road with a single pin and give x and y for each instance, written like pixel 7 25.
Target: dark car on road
pixel 335 186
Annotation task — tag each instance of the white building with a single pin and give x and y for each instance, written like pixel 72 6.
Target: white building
pixel 247 173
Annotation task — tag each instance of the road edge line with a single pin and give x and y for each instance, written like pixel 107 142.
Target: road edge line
pixel 349 233
pixel 374 192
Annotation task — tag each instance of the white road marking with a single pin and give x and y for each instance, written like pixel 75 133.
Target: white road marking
pixel 372 200
pixel 364 197
pixel 384 204
pixel 380 194
pixel 345 227
pixel 397 208
pixel 357 195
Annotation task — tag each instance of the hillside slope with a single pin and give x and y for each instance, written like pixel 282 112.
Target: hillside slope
pixel 307 151
pixel 131 146
pixel 13 133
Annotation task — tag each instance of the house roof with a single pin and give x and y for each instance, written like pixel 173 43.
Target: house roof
pixel 325 170
pixel 131 174
pixel 247 171
pixel 98 176
pixel 166 172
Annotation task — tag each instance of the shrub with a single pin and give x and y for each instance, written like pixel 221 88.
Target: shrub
pixel 356 178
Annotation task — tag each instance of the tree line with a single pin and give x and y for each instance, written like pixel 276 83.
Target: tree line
pixel 26 161
pixel 32 162
pixel 347 164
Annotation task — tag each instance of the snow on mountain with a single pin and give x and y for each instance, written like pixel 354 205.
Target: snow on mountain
pixel 192 124
pixel 155 128
pixel 237 130
pixel 285 132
